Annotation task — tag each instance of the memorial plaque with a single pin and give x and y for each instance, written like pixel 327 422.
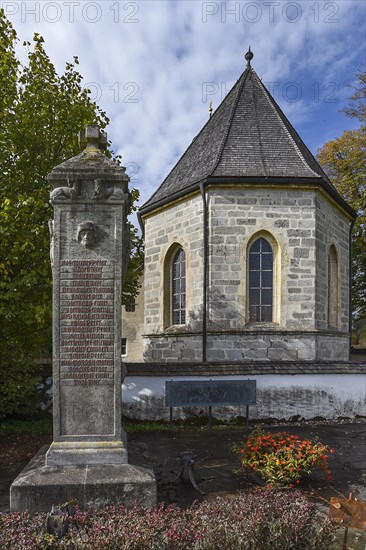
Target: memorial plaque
pixel 207 393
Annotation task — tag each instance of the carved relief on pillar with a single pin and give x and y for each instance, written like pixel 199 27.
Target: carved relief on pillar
pixel 87 234
pixel 70 192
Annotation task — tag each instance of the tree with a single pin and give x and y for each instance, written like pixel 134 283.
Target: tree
pixel 41 115
pixel 358 110
pixel 135 267
pixel 344 160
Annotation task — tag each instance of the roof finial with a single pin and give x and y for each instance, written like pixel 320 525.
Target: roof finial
pixel 210 109
pixel 249 56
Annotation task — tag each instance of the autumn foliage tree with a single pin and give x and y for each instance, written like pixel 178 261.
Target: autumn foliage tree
pixel 41 115
pixel 344 160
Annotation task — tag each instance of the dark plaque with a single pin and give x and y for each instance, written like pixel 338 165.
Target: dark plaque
pixel 210 393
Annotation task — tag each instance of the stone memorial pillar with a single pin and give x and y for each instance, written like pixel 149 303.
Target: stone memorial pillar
pixel 91 200
pixel 89 254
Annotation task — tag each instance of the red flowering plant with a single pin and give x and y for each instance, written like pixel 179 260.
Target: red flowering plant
pixel 281 459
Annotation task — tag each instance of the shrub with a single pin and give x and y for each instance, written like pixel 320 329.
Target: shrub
pixel 265 519
pixel 281 458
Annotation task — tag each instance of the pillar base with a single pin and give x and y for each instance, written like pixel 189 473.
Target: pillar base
pixel 38 486
pixel 71 453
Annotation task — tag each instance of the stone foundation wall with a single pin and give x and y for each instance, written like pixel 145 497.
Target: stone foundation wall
pixel 248 346
pixel 168 348
pixel 333 347
pixel 272 346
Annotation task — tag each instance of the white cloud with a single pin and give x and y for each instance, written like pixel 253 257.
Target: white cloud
pixel 150 62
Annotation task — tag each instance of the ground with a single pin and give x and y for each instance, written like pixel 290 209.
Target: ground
pixel 214 463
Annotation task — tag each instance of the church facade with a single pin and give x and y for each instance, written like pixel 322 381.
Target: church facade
pixel 247 269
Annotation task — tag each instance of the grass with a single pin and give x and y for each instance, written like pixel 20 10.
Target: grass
pixel 39 424
pixel 196 423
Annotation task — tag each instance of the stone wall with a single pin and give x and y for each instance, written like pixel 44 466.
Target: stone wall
pixel 133 327
pixel 255 345
pixel 287 219
pixel 332 228
pixel 180 224
pixel 278 346
pixel 173 347
pixel 294 221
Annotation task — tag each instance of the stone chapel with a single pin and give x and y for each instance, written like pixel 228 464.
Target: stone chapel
pixel 247 269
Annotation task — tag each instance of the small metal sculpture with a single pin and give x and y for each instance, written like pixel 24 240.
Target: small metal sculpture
pixel 188 472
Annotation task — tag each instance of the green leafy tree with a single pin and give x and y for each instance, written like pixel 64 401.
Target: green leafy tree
pixel 41 114
pixel 344 160
pixel 135 267
pixel 359 333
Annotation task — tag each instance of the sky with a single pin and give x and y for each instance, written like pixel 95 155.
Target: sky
pixel 154 65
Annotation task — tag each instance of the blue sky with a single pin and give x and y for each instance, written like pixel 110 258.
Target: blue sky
pixel 154 65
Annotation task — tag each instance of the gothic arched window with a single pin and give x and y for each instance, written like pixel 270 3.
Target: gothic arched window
pixel 332 287
pixel 178 286
pixel 260 281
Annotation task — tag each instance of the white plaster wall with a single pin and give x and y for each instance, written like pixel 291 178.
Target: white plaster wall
pixel 278 396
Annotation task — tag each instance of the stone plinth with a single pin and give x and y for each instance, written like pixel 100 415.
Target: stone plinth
pixel 39 486
pixel 89 255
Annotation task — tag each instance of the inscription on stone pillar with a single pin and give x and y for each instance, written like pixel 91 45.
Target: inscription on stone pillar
pixel 86 322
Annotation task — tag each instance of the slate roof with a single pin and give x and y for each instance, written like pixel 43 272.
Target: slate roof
pixel 247 139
